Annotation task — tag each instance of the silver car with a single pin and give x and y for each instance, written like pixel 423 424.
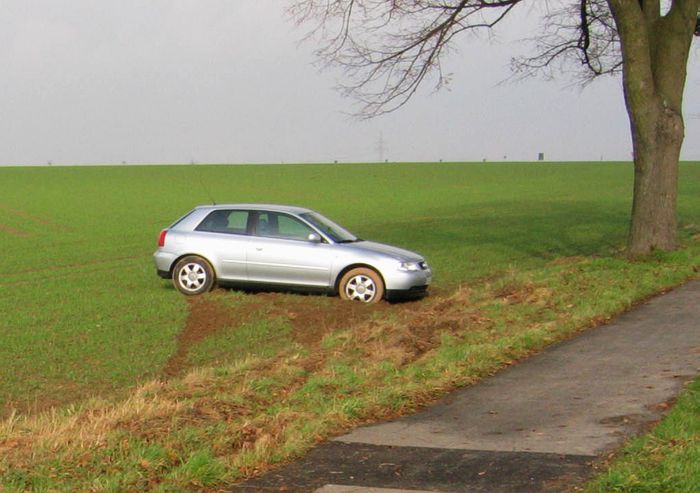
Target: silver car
pixel 283 247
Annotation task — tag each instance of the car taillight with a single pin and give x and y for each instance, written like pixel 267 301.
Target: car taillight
pixel 161 238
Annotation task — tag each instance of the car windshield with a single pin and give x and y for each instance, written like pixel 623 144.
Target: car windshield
pixel 335 232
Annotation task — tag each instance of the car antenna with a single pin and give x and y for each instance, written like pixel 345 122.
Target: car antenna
pixel 201 182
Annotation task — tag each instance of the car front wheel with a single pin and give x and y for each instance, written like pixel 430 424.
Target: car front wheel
pixel 193 275
pixel 362 284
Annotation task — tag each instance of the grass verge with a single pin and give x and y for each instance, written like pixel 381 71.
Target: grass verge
pixel 664 461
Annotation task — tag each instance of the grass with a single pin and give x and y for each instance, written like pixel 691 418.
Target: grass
pixel 666 460
pixel 524 255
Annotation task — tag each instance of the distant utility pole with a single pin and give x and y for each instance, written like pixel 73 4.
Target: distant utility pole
pixel 381 147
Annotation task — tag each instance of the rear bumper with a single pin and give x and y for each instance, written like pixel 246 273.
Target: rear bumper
pixel 164 262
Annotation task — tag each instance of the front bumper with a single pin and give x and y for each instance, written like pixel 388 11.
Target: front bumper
pixel 415 292
pixel 398 280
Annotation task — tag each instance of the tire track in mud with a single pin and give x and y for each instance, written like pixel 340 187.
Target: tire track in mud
pixel 310 317
pixel 4 228
pixel 67 271
pixel 206 317
pixel 35 219
pixel 402 332
pixel 54 268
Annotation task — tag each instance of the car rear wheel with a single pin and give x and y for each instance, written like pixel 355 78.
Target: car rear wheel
pixel 193 275
pixel 362 284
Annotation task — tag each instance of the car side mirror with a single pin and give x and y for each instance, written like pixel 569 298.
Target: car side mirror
pixel 314 238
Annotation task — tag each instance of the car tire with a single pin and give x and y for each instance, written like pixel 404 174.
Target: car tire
pixel 193 275
pixel 362 284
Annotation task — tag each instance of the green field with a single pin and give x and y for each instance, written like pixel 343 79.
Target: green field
pixel 532 252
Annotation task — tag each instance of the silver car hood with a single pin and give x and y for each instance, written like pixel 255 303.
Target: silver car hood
pixel 371 246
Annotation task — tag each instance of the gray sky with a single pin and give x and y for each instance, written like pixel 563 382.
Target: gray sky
pixel 174 81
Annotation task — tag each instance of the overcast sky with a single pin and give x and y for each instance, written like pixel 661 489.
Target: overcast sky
pixel 175 81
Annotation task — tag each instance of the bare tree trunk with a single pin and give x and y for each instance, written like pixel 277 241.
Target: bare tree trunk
pixel 655 55
pixel 657 146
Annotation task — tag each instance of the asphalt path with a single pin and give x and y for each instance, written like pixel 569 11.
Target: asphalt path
pixel 536 426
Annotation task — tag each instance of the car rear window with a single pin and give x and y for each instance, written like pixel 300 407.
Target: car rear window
pixel 181 219
pixel 225 221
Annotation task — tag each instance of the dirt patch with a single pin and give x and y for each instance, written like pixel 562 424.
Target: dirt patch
pixel 4 228
pixel 416 328
pixel 207 317
pixel 400 332
pixel 313 317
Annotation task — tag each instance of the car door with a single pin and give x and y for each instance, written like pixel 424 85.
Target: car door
pixel 280 252
pixel 222 238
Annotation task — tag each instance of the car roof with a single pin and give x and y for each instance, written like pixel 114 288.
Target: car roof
pixel 265 207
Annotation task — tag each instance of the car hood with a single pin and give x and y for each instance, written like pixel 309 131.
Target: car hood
pixel 371 246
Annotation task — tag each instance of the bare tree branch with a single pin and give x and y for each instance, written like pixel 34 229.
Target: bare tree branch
pixel 389 48
pixel 583 33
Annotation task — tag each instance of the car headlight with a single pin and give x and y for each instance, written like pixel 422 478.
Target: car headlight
pixel 410 266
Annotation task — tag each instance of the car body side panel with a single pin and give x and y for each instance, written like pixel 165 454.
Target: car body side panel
pixel 226 253
pixel 284 261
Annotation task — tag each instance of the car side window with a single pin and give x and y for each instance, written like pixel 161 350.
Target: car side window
pixel 289 227
pixel 225 221
pixel 282 226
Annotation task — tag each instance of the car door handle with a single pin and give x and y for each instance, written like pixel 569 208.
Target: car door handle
pixel 258 249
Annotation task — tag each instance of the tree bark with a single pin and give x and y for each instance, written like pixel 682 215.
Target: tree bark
pixel 657 144
pixel 655 55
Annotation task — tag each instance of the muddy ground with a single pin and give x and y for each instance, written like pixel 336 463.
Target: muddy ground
pixel 409 328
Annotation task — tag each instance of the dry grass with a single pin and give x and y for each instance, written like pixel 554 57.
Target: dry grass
pixel 410 334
